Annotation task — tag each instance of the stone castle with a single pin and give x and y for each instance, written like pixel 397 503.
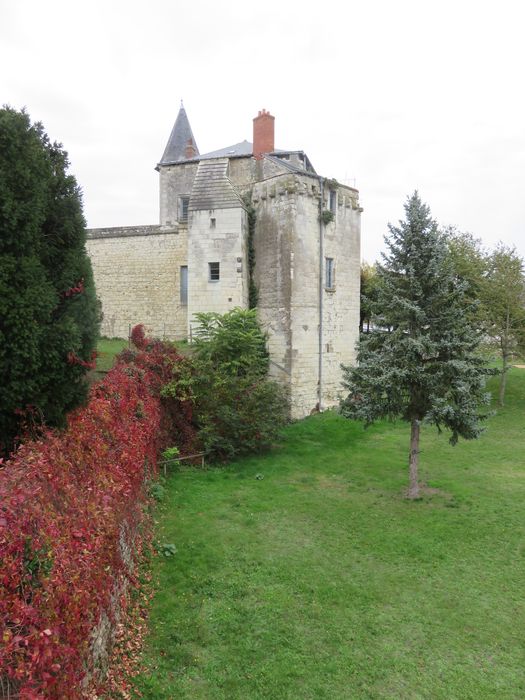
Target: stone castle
pixel 248 216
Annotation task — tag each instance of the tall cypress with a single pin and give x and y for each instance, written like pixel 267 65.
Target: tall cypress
pixel 420 362
pixel 48 308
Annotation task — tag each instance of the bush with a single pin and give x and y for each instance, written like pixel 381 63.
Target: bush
pixel 236 408
pixel 164 362
pixel 69 522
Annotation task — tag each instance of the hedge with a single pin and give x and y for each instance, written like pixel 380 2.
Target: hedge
pixel 71 506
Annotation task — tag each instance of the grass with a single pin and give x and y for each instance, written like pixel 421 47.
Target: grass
pixel 305 574
pixel 109 348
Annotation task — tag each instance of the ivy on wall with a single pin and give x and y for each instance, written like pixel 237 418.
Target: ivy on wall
pixel 253 292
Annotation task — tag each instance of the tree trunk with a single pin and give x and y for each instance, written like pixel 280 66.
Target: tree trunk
pixel 505 356
pixel 413 462
pixel 503 381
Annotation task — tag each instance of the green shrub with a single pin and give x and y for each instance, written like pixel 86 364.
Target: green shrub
pixel 326 216
pixel 236 408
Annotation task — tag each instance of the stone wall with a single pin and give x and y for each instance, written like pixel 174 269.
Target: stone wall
pixel 137 277
pixel 341 304
pixel 175 181
pixel 217 236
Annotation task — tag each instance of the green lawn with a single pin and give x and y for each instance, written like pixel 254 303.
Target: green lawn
pixel 304 574
pixel 108 348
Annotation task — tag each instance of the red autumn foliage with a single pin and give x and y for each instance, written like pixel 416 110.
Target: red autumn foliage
pixel 72 291
pixel 73 359
pixel 160 359
pixel 68 501
pixel 138 337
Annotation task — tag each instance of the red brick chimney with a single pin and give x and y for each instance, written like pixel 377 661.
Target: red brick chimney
pixel 263 134
pixel 190 151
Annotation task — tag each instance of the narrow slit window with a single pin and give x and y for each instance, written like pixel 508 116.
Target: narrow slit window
pixel 214 271
pixel 333 201
pixel 329 273
pixel 184 202
pixel 213 223
pixel 184 285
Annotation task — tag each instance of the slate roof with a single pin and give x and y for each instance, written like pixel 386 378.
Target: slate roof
pixel 244 148
pixel 181 136
pixel 212 188
pixel 309 170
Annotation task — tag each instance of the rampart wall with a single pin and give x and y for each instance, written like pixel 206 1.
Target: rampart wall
pixel 137 277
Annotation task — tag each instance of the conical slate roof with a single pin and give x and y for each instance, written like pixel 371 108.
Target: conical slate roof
pixel 181 138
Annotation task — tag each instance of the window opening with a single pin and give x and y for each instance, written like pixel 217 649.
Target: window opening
pixel 214 271
pixel 184 202
pixel 329 273
pixel 333 201
pixel 184 285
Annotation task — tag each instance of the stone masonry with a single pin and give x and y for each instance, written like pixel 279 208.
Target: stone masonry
pixel 307 270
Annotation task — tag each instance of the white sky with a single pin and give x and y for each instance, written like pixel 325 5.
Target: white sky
pixel 403 95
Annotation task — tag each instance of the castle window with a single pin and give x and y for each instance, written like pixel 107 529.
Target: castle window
pixel 333 201
pixel 329 278
pixel 184 202
pixel 214 271
pixel 184 285
pixel 213 223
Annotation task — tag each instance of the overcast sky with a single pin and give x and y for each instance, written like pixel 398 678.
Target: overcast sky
pixel 391 96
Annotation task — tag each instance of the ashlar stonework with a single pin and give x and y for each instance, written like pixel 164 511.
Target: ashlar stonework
pixel 306 239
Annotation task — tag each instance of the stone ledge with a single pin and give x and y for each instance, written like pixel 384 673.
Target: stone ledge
pixel 127 231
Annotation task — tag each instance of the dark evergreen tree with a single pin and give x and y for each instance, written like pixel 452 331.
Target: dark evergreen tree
pixel 420 365
pixel 48 309
pixel 368 297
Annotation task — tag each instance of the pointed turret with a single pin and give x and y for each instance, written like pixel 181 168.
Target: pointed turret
pixel 181 144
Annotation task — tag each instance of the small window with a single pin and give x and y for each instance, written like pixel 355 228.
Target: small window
pixel 213 223
pixel 184 202
pixel 214 272
pixel 329 281
pixel 184 285
pixel 333 201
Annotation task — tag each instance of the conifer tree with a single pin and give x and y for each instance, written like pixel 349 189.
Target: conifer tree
pixel 48 308
pixel 424 368
pixel 368 297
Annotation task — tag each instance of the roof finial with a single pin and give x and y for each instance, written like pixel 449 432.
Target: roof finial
pixel 181 102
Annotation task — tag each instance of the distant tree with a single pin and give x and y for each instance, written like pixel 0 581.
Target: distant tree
pixel 48 309
pixel 426 368
pixel 369 296
pixel 503 297
pixel 469 259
